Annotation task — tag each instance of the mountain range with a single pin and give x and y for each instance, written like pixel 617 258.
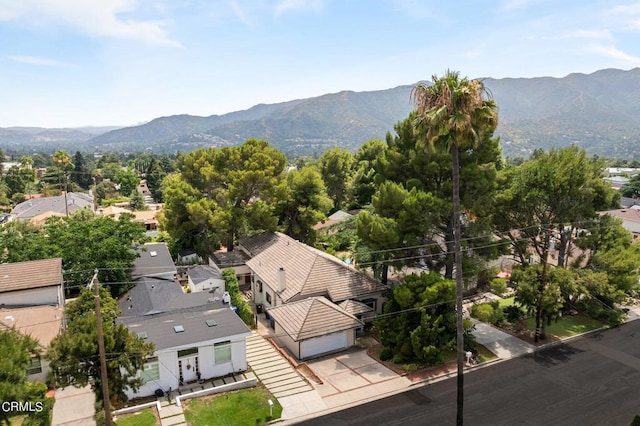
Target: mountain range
pixel 599 112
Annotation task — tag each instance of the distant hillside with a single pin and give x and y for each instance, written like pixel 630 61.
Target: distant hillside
pixel 598 111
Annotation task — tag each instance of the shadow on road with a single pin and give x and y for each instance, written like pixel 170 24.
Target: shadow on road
pixel 554 355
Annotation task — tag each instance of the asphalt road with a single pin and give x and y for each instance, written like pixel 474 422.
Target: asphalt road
pixel 594 380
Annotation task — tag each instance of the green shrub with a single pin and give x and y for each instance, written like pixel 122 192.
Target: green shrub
pixel 498 286
pixel 513 313
pixel 386 354
pixel 406 350
pixel 398 359
pixel 488 312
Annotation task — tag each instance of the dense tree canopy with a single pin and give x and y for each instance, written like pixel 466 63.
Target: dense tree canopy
pixel 84 241
pixel 74 356
pixel 224 193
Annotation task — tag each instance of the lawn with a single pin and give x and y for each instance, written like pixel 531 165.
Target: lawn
pixel 569 325
pixel 246 407
pixel 145 417
pixel 503 303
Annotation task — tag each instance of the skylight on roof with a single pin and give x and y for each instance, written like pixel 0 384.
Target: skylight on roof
pixel 153 253
pixel 211 323
pixel 178 328
pixel 142 334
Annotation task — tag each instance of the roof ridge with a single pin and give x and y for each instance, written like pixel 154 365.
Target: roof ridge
pixel 306 317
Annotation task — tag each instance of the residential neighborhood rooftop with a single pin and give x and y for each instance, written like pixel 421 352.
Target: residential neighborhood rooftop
pixel 197 325
pixel 308 271
pixel 43 323
pixel 37 206
pixel 154 259
pixel 153 296
pixel 354 307
pixel 200 273
pixel 30 274
pixel 229 259
pixel 312 317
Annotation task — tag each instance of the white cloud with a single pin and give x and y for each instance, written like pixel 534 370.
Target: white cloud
pixel 588 34
pixel 239 13
pixel 98 18
pixel 37 60
pixel 285 6
pixel 615 53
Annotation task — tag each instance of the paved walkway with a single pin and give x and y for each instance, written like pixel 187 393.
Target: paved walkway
pixel 504 345
pixel 74 407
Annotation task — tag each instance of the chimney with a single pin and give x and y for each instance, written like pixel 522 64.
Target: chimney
pixel 282 280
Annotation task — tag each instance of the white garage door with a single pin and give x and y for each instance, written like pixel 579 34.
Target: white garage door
pixel 328 343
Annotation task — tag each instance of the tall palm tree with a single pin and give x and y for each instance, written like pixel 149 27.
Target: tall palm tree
pixel 455 114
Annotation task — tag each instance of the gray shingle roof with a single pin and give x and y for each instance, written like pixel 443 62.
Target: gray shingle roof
pixel 160 328
pixel 308 271
pixel 36 206
pixel 312 317
pixel 224 259
pixel 31 274
pixel 154 260
pixel 152 296
pixel 201 273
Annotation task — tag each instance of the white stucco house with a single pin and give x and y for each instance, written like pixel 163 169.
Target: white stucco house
pixel 196 335
pixel 205 278
pixel 190 344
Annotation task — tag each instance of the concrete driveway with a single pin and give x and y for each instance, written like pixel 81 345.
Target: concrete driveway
pixel 354 377
pixel 74 407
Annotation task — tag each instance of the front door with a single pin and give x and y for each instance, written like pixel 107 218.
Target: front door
pixel 188 368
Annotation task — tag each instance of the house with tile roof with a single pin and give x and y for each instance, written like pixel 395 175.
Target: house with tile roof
pixel 42 323
pixel 313 327
pixel 286 271
pixel 32 302
pixel 32 283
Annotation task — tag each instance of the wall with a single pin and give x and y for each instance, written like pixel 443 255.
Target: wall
pixel 329 343
pixel 285 340
pixel 206 285
pixel 32 297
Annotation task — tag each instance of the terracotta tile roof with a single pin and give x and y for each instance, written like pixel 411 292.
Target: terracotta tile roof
pixel 43 323
pixel 354 307
pixel 31 274
pixel 312 317
pixel 308 271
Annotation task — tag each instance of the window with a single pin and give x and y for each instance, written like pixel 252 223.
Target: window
pixel 259 286
pixel 222 352
pixel 268 298
pixel 151 371
pixel 35 366
pixel 186 352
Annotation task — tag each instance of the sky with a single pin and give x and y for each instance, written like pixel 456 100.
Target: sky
pixel 72 63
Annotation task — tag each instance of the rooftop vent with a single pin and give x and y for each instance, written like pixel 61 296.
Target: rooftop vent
pixel 211 323
pixel 153 253
pixel 178 328
pixel 142 334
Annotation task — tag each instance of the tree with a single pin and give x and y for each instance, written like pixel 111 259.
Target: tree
pixel 16 352
pixel 74 357
pixel 136 201
pixel 306 204
pixel 62 164
pixel 84 241
pixel 154 174
pixel 558 192
pixel 127 179
pixel 363 184
pixel 419 321
pixel 454 113
pixel 335 167
pixel 631 189
pixel 227 193
pixel 81 175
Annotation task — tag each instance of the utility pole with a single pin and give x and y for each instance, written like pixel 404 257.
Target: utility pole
pixel 541 286
pixel 103 358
